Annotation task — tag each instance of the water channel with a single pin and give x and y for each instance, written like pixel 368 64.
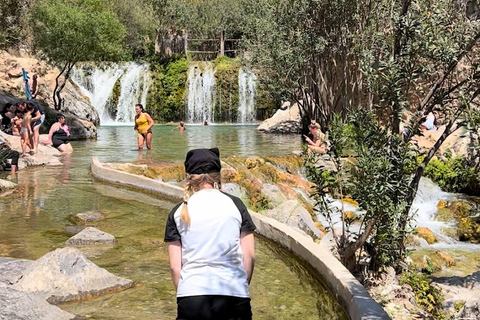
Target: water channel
pixel 34 217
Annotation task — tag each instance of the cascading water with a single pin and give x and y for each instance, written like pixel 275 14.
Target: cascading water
pixel 133 86
pixel 425 209
pixel 246 96
pixel 98 87
pixel 201 93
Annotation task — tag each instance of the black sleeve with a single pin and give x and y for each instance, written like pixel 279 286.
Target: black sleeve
pixel 171 231
pixel 247 223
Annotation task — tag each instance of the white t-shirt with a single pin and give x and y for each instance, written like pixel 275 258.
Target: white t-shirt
pixel 212 261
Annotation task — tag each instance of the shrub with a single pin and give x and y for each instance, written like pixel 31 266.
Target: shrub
pixel 426 295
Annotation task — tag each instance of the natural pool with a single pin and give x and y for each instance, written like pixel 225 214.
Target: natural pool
pixel 33 220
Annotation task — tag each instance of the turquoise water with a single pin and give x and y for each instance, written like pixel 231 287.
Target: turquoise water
pixel 119 143
pixel 34 217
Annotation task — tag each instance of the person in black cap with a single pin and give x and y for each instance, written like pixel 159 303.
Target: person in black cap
pixel 210 245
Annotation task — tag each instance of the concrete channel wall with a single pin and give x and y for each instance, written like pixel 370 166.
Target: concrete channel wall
pixel 343 285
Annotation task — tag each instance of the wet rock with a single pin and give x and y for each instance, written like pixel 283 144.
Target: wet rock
pixel 89 216
pixel 350 216
pixel 233 189
pixel 293 214
pixel 469 229
pixel 90 236
pixel 283 121
pixel 426 234
pixel 5 184
pixel 66 274
pixel 273 194
pixel 73 229
pixel 460 209
pixel 445 215
pixel 442 204
pixel 253 162
pixel 18 305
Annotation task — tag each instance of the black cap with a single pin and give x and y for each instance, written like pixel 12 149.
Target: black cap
pixel 199 161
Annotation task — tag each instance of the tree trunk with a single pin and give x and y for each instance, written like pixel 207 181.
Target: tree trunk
pixel 66 70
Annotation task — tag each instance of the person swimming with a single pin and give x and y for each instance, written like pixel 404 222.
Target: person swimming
pixel 180 127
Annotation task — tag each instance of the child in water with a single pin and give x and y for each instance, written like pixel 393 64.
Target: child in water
pixel 180 127
pixel 26 131
pixel 17 123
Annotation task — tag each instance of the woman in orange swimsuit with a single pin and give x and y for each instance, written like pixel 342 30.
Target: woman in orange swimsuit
pixel 143 124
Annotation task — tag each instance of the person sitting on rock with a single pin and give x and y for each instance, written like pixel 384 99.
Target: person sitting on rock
pixel 7 154
pixel 319 142
pixel 7 115
pixel 58 135
pixel 429 123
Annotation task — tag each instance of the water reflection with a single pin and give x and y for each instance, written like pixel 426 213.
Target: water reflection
pixel 34 217
pixel 119 144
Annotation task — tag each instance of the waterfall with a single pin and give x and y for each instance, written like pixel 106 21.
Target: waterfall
pixel 133 85
pixel 201 92
pixel 98 87
pixel 246 96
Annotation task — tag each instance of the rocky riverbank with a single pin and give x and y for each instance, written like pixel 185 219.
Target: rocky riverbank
pixel 82 118
pixel 29 289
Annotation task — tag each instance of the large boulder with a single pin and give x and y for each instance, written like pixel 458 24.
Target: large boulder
pixel 74 103
pixel 79 128
pixel 19 305
pixel 66 274
pixel 273 194
pixel 47 155
pixel 283 121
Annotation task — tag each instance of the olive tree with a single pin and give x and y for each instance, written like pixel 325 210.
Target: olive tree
pixel 391 58
pixel 69 31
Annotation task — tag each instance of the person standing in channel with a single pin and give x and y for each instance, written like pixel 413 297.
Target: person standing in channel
pixel 210 245
pixel 143 124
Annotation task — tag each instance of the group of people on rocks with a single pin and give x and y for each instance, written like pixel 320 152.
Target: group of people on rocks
pixel 23 119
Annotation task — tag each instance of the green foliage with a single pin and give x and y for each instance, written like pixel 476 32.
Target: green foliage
pixel 452 175
pixel 167 97
pixel 140 22
pixel 226 79
pixel 78 30
pixel 426 295
pixel 12 22
pixel 378 180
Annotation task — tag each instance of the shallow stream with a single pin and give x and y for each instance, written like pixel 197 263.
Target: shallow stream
pixel 34 217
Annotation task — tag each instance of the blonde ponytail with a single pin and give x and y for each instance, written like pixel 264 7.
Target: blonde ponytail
pixel 194 183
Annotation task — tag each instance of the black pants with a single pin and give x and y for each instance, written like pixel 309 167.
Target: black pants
pixel 214 308
pixel 9 154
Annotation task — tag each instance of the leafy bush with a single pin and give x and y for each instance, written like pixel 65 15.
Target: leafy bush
pixel 451 175
pixel 426 295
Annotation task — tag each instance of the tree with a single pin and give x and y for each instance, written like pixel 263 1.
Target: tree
pixel 402 57
pixel 69 31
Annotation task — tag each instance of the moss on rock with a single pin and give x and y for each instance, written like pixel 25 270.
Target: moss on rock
pixel 426 234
